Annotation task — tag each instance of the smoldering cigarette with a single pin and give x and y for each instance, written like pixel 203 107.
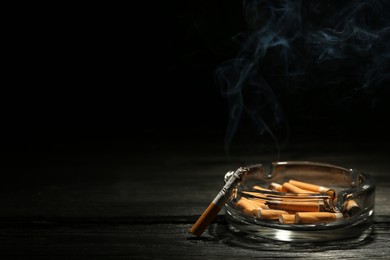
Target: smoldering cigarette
pixel 316 217
pixel 312 206
pixel 217 204
pixel 287 219
pixel 313 187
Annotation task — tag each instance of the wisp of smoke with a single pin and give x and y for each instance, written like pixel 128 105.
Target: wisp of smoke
pixel 302 47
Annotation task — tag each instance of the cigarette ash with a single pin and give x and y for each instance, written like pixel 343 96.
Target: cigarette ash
pixel 306 58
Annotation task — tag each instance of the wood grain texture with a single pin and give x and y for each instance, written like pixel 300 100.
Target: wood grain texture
pixel 172 240
pixel 129 205
pixel 126 192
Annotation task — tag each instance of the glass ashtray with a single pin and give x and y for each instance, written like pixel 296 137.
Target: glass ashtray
pixel 336 203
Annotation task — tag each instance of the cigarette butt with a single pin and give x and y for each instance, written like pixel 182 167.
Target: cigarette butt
pixel 316 217
pixel 350 204
pixel 331 193
pixel 299 199
pixel 313 187
pixel 287 219
pixel 276 187
pixel 351 207
pixel 288 187
pixel 247 207
pixel 296 206
pixel 205 219
pixel 259 203
pixel 256 187
pixel 255 194
pixel 270 213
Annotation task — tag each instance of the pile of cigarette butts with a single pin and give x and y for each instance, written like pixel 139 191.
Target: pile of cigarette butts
pixel 299 204
pixel 302 208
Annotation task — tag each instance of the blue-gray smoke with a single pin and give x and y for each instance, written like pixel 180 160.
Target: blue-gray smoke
pixel 292 47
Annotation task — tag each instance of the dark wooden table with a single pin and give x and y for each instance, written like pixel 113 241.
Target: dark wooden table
pixel 138 202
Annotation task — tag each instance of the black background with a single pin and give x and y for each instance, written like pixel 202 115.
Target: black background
pixel 99 78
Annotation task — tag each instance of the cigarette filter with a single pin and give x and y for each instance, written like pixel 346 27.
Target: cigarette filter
pixel 247 207
pixel 288 187
pixel 252 203
pixel 296 206
pixel 313 187
pixel 316 217
pixel 270 213
pixel 255 194
pixel 261 203
pixel 256 187
pixel 287 219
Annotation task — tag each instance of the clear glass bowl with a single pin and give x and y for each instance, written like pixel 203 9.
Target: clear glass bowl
pixel 349 185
